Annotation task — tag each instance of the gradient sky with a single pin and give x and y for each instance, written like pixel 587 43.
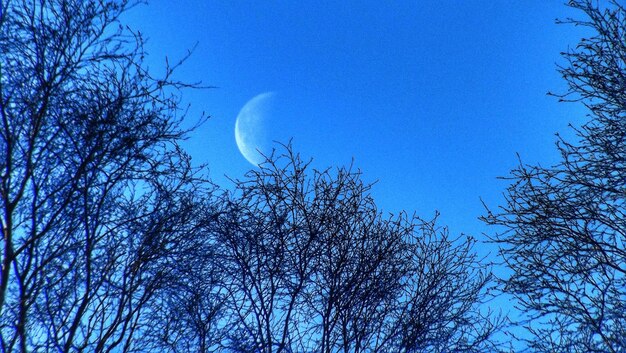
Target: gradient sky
pixel 431 98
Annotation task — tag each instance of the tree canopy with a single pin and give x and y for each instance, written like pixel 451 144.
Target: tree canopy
pixel 311 265
pixel 95 192
pixel 564 231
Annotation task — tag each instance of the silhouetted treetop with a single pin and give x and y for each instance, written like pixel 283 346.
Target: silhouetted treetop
pixel 311 264
pixel 94 189
pixel 564 229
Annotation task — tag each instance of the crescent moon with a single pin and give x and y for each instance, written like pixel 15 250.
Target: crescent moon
pixel 250 132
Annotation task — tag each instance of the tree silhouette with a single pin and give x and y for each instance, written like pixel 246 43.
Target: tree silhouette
pixel 311 265
pixel 94 191
pixel 564 231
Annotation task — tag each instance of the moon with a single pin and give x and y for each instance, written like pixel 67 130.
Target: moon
pixel 250 127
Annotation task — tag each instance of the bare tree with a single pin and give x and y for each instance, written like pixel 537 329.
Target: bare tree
pixel 311 265
pixel 564 234
pixel 95 195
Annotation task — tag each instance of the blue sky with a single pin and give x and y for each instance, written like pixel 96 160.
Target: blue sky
pixel 431 98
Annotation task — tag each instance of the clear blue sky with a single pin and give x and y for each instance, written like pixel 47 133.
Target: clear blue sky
pixel 431 98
